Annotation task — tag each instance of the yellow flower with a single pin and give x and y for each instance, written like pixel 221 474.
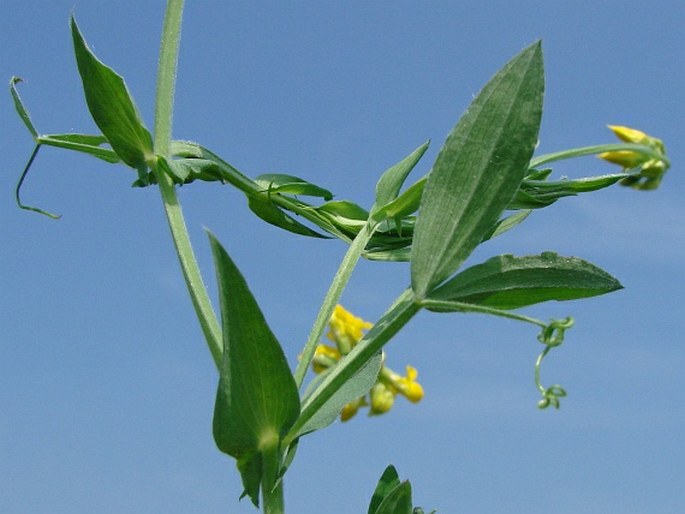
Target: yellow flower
pixel 350 410
pixel 629 135
pixel 324 357
pixel 382 398
pixel 406 386
pixel 346 330
pixel 651 170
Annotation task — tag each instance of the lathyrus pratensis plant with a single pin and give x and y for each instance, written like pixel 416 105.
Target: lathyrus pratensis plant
pixel 485 181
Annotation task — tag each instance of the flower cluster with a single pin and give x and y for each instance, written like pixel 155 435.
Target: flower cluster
pixel 346 330
pixel 651 169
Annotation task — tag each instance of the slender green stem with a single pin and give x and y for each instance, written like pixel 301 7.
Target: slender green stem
pixel 166 79
pixel 272 489
pixel 451 306
pixel 597 149
pixel 340 280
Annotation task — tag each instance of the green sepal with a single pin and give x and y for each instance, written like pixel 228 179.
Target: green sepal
pixel 111 105
pixel 289 184
pixel 478 170
pixel 389 480
pixel 257 399
pixel 509 282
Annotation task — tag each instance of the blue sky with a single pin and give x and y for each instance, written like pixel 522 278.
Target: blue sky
pixel 107 388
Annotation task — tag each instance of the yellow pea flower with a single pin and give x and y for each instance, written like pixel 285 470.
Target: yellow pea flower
pixel 651 170
pixel 346 330
pixel 382 398
pixel 324 357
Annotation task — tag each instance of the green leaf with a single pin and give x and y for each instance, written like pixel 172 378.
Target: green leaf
pixel 250 466
pixel 535 194
pixel 397 501
pixel 344 214
pixel 356 386
pixel 390 183
pixel 405 204
pixel 288 184
pixel 508 282
pixel 19 106
pixel 86 143
pixel 478 170
pixel 389 480
pixel 111 105
pixel 396 255
pixel 262 207
pixel 506 224
pixel 257 399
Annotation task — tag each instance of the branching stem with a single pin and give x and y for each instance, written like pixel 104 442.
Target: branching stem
pixel 166 79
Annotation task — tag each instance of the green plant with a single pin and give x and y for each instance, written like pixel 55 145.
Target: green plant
pixel 484 182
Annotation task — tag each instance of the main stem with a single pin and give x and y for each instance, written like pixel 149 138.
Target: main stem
pixel 164 107
pixel 272 488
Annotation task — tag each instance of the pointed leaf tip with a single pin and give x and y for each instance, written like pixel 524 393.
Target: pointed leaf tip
pixel 478 170
pixel 111 105
pixel 257 397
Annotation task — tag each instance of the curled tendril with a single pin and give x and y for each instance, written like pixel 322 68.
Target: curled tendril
pixel 552 335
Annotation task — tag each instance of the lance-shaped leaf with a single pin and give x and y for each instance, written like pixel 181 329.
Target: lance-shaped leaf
pixel 354 387
pixel 20 108
pixel 289 184
pixel 389 480
pixel 535 194
pixel 257 399
pixel 266 210
pixel 111 105
pixel 478 170
pixel 509 282
pixel 86 143
pixel 390 183
pixel 397 501
pixel 344 214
